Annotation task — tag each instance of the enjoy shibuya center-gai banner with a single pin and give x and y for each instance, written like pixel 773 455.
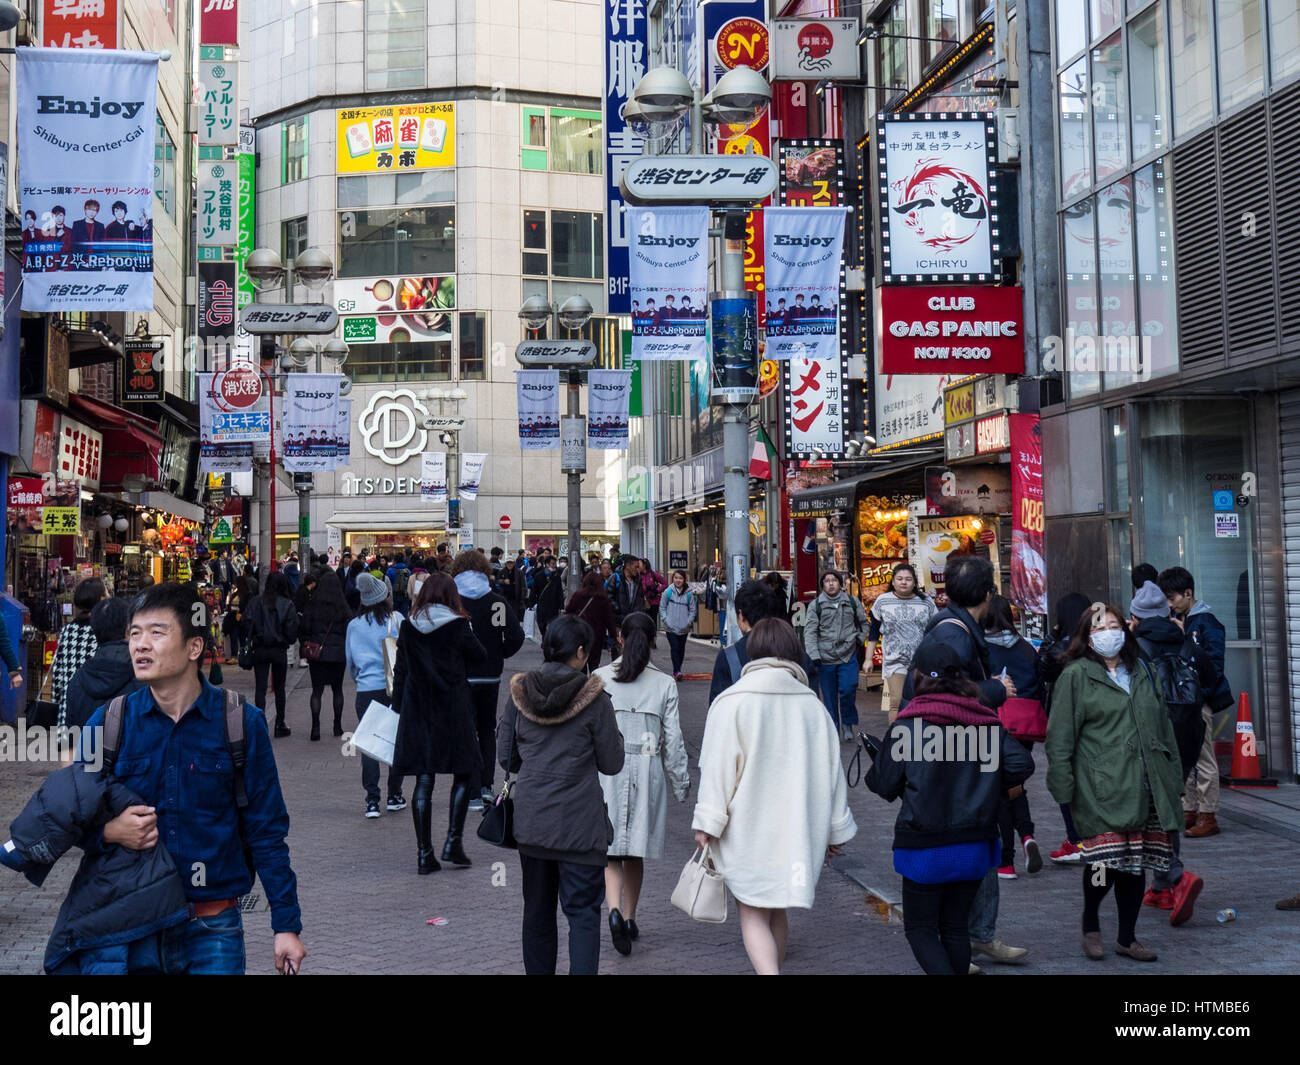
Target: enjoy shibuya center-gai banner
pixel 311 422
pixel 670 282
pixel 804 252
pixel 86 143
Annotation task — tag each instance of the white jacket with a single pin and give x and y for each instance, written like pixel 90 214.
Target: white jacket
pixel 637 798
pixel 772 787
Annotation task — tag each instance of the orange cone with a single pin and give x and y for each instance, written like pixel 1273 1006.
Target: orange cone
pixel 1245 753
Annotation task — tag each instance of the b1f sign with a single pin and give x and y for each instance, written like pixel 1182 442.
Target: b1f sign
pixel 958 330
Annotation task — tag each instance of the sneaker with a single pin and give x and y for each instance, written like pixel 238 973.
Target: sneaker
pixel 1000 952
pixel 1006 872
pixel 1185 892
pixel 1033 859
pixel 302 663
pixel 372 807
pixel 974 970
pixel 1069 852
pixel 476 805
pixel 1293 903
pixel 1161 900
pixel 488 796
pixel 677 676
pixel 395 803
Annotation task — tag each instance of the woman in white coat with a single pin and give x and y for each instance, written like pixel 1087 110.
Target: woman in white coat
pixel 773 802
pixel 645 703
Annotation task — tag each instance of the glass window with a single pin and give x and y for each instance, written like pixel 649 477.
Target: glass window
pixel 535 231
pixel 1071 28
pixel 427 186
pixel 411 361
pixel 414 240
pixel 1119 352
pixel 395 44
pixel 940 22
pixel 576 146
pixel 1079 249
pixel 473 346
pixel 891 48
pixel 1155 270
pixel 293 148
pixel 1284 37
pixel 366 191
pixel 293 238
pixel 1241 51
pixel 534 128
pixel 1149 99
pixel 1076 140
pixel 1189 42
pixel 1109 107
pixel 164 168
pixel 577 244
pixel 1117 445
pixel 1106 15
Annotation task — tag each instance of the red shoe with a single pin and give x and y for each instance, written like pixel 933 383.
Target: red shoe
pixel 1007 872
pixel 1185 892
pixel 1068 853
pixel 1161 900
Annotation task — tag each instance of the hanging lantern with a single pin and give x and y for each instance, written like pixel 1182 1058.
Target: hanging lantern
pixel 104 521
pixel 121 525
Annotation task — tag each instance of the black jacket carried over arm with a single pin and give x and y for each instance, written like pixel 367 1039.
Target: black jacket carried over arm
pixel 118 895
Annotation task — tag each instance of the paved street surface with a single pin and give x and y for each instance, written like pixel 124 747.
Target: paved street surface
pixel 366 911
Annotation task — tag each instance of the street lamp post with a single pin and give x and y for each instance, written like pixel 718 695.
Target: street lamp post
pixel 449 435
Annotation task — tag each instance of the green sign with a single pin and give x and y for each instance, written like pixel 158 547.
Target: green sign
pixel 360 330
pixel 221 532
pixel 635 407
pixel 244 229
pixel 211 253
pixel 633 494
pixel 304 525
pixel 212 52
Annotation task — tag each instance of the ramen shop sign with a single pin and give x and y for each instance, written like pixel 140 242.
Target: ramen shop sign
pixel 972 329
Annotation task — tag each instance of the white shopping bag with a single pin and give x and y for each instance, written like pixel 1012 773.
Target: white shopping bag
pixel 377 733
pixel 530 623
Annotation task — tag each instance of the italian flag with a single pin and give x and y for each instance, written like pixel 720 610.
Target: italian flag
pixel 760 462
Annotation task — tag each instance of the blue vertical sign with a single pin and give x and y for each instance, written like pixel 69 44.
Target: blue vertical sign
pixel 625 63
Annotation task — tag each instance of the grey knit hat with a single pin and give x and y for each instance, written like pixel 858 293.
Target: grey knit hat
pixel 1150 602
pixel 373 590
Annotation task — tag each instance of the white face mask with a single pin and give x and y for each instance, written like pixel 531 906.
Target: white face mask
pixel 1107 642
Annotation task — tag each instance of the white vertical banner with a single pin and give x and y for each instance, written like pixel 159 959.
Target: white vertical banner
pixel 433 476
pixel 311 416
pixel 609 397
pixel 814 407
pixel 539 409
pixel 804 251
pixel 669 263
pixel 343 436
pixel 224 446
pixel 471 474
pixel 85 144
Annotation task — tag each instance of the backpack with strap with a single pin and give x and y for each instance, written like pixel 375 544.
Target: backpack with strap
pixel 1177 681
pixel 401 581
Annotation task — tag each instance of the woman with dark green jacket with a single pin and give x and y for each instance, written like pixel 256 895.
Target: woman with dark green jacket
pixel 1113 759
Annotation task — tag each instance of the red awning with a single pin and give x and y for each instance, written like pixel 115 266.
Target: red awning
pixel 130 443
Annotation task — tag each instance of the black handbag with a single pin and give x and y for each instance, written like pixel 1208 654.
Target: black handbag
pixel 498 824
pixel 43 713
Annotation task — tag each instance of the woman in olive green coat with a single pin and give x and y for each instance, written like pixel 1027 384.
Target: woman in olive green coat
pixel 1112 757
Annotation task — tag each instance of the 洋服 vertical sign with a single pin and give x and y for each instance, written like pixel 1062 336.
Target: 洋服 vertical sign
pixel 625 63
pixel 85 141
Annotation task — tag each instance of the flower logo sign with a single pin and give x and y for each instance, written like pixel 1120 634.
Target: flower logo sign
pixel 392 426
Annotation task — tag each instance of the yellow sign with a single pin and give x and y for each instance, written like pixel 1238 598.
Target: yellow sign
pixel 958 403
pixel 373 140
pixel 757 522
pixel 61 521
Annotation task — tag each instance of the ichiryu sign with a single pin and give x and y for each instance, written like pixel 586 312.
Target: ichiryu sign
pixel 970 329
pixel 554 353
pixel 710 180
pixel 272 318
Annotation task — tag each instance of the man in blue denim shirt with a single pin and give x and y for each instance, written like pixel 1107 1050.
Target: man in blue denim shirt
pixel 173 754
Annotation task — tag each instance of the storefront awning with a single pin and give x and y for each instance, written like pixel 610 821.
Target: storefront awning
pixel 395 520
pixel 826 499
pixel 169 504
pixel 132 444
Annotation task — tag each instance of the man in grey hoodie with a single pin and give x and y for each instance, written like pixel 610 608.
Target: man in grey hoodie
pixel 834 629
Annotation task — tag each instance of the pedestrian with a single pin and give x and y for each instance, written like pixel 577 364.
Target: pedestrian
pixel 591 603
pixel 946 835
pixel 76 641
pixel 1012 653
pixel 292 573
pixel 834 629
pixel 773 797
pixel 716 590
pixel 970 585
pixel 1069 609
pixel 781 590
pixel 646 712
pixel 325 625
pixel 1201 796
pixel 9 658
pixel 548 594
pixel 754 603
pixel 652 588
pixel 436 648
pixel 1183 675
pixel 497 627
pixel 1112 756
pixel 108 672
pixel 350 592
pixel 558 734
pixel 175 741
pixel 399 578
pixel 271 627
pixel 898 619
pixel 232 620
pixel 679 611
pixel 364 649
pixel 626 593
pixel 301 597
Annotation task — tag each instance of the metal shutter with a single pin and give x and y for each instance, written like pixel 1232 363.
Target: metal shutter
pixel 1198 252
pixel 1289 437
pixel 1249 274
pixel 1285 130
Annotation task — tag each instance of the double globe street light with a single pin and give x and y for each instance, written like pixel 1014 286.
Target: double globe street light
pixel 448 428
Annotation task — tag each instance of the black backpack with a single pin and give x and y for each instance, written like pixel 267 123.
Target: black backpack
pixel 401 581
pixel 1177 680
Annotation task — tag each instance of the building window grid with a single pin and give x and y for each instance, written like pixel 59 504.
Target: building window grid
pixel 293 150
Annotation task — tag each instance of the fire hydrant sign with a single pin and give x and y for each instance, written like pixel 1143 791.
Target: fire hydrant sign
pixel 971 329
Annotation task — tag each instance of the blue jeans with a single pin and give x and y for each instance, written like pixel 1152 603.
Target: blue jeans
pixel 1166 881
pixel 205 946
pixel 984 910
pixel 840 690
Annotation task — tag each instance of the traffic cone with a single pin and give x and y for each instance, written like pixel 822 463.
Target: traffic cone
pixel 1245 753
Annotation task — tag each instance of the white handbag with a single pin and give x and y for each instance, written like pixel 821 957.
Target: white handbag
pixel 530 623
pixel 377 733
pixel 701 892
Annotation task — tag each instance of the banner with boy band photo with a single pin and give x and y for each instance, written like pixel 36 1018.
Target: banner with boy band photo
pixel 539 409
pixel 86 145
pixel 805 248
pixel 471 474
pixel 311 422
pixel 669 249
pixel 609 397
pixel 433 476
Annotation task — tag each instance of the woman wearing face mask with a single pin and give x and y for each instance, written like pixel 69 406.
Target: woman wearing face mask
pixel 1113 758
pixel 898 620
pixel 678 609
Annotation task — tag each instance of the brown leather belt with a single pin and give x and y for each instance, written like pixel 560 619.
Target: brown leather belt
pixel 212 907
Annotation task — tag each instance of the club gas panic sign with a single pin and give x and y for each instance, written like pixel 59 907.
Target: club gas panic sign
pixel 952 329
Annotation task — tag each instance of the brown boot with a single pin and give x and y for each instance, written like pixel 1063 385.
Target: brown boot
pixel 1189 819
pixel 1206 825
